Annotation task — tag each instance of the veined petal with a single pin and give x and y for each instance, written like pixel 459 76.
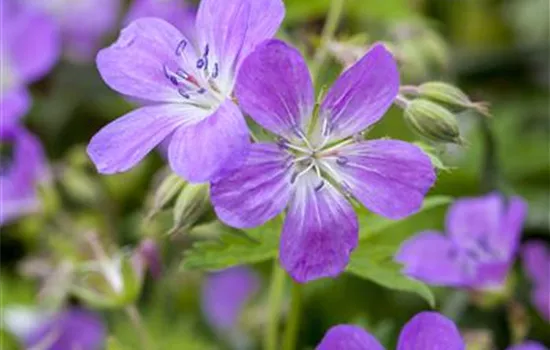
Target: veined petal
pixel 536 262
pixel 135 64
pixel 274 87
pixel 13 105
pixel 431 257
pixel 206 150
pixel 258 191
pixel 540 297
pixel 174 12
pixel 225 293
pixel 389 177
pixel 470 220
pixel 348 337
pixel 430 331
pixel 33 42
pixel 124 142
pixel 507 239
pixel 319 232
pixel 232 29
pixel 362 94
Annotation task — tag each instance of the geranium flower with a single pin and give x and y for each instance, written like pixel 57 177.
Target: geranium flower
pixel 70 329
pixel 318 164
pixel 22 167
pixel 528 345
pixel 224 295
pixel 83 24
pixel 176 12
pixel 536 263
pixel 483 237
pixel 425 331
pixel 29 48
pixel 189 87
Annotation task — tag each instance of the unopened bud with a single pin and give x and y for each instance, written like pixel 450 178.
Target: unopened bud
pixel 192 203
pixel 478 339
pixel 432 121
pixel 451 96
pixel 108 283
pixel 435 49
pixel 166 192
pixel 147 256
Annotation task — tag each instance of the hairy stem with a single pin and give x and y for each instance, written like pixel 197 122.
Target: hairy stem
pixel 293 319
pixel 276 294
pixel 331 24
pixel 137 322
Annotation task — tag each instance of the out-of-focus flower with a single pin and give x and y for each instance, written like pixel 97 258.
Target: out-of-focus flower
pixel 71 329
pixel 29 48
pixel 319 159
pixel 22 167
pixel 147 256
pixel 425 331
pixel 528 345
pixel 224 295
pixel 483 237
pixel 189 87
pixel 176 12
pixel 536 262
pixel 83 23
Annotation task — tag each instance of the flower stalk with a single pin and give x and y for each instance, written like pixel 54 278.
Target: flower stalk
pixel 275 301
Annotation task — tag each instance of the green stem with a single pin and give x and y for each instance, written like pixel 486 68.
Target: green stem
pixel 137 322
pixel 293 319
pixel 331 24
pixel 276 294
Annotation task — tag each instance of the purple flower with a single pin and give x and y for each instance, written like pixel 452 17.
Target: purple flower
pixel 29 48
pixel 175 12
pixel 425 331
pixel 71 329
pixel 536 262
pixel 483 236
pixel 188 85
pixel 83 23
pixel 313 173
pixel 528 345
pixel 225 294
pixel 22 166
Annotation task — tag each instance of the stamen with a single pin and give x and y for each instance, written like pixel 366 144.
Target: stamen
pixel 201 91
pixel 183 74
pixel 184 93
pixel 169 75
pixel 201 63
pixel 342 161
pixel 296 175
pixel 181 47
pixel 216 71
pixel 320 186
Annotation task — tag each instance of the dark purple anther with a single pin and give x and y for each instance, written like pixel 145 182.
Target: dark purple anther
pixel 181 47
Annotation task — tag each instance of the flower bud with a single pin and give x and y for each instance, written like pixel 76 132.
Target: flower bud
pixel 191 204
pixel 109 283
pixel 147 256
pixel 166 192
pixel 450 96
pixel 432 121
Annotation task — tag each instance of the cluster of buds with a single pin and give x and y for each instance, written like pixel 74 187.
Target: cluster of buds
pixel 430 110
pixel 189 201
pixel 114 281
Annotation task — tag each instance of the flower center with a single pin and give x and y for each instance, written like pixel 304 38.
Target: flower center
pixel 198 84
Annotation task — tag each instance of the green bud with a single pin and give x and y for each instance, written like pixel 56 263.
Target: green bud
pixel 435 49
pixel 192 203
pixel 108 283
pixel 165 193
pixel 432 121
pixel 451 96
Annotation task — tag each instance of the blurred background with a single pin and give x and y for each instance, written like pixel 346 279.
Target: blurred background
pixel 495 50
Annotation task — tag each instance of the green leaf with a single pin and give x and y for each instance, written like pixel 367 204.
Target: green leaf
pixel 375 263
pixel 232 249
pixel 371 224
